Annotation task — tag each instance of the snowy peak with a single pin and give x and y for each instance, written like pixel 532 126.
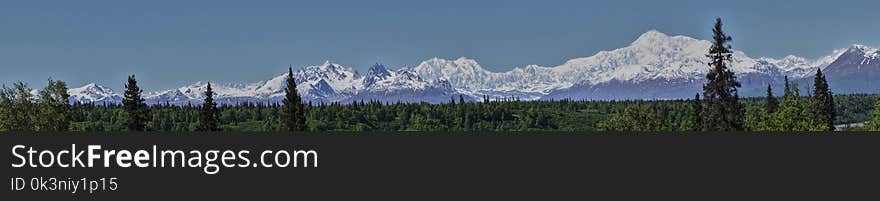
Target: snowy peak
pixel 656 40
pixel 341 79
pixel 461 73
pixel 175 97
pixel 790 63
pixel 91 88
pixel 381 79
pixel 650 37
pixel 320 89
pixel 654 55
pixel 867 52
pixel 378 70
pixel 448 67
pixel 855 58
pixel 332 69
pixel 798 67
pixel 93 93
pixel 859 54
pixel 856 70
pixel 654 65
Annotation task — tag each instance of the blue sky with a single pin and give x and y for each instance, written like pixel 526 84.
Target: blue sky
pixel 173 43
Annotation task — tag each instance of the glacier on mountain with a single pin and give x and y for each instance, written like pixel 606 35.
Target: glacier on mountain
pixel 654 66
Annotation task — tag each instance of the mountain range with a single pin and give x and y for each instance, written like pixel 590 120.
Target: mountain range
pixel 654 66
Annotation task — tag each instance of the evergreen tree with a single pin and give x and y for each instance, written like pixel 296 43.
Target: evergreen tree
pixel 787 88
pixel 209 116
pixel 697 115
pixel 772 102
pixel 823 102
pixel 874 124
pixel 135 106
pixel 293 115
pixel 723 110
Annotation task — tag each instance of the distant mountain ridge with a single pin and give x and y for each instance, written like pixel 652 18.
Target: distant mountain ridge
pixel 654 66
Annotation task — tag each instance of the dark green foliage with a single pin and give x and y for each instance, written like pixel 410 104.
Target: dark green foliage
pixel 874 124
pixel 503 115
pixel 635 118
pixel 19 111
pixel 723 111
pixel 135 106
pixel 787 88
pixel 696 116
pixel 823 102
pixel 293 114
pixel 209 117
pixel 22 111
pixel 54 108
pixel 772 102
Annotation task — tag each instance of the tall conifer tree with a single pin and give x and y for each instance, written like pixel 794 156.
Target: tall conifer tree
pixel 787 89
pixel 772 102
pixel 823 102
pixel 697 116
pixel 293 116
pixel 209 117
pixel 135 106
pixel 723 110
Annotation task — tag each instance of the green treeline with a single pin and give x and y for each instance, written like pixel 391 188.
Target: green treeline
pixel 20 110
pixel 511 115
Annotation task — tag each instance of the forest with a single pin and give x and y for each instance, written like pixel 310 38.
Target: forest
pixel 21 112
pixel 563 115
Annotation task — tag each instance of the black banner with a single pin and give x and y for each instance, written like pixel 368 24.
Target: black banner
pixel 466 166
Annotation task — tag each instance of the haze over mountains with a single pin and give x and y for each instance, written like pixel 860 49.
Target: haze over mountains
pixel 654 66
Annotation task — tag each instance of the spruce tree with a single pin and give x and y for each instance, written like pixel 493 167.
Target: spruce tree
pixel 787 91
pixel 874 124
pixel 209 117
pixel 772 102
pixel 134 106
pixel 823 103
pixel 697 116
pixel 723 110
pixel 293 116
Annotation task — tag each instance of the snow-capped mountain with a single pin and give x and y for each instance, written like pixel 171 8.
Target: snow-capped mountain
pixel 328 82
pixel 856 70
pixel 654 66
pixel 93 93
